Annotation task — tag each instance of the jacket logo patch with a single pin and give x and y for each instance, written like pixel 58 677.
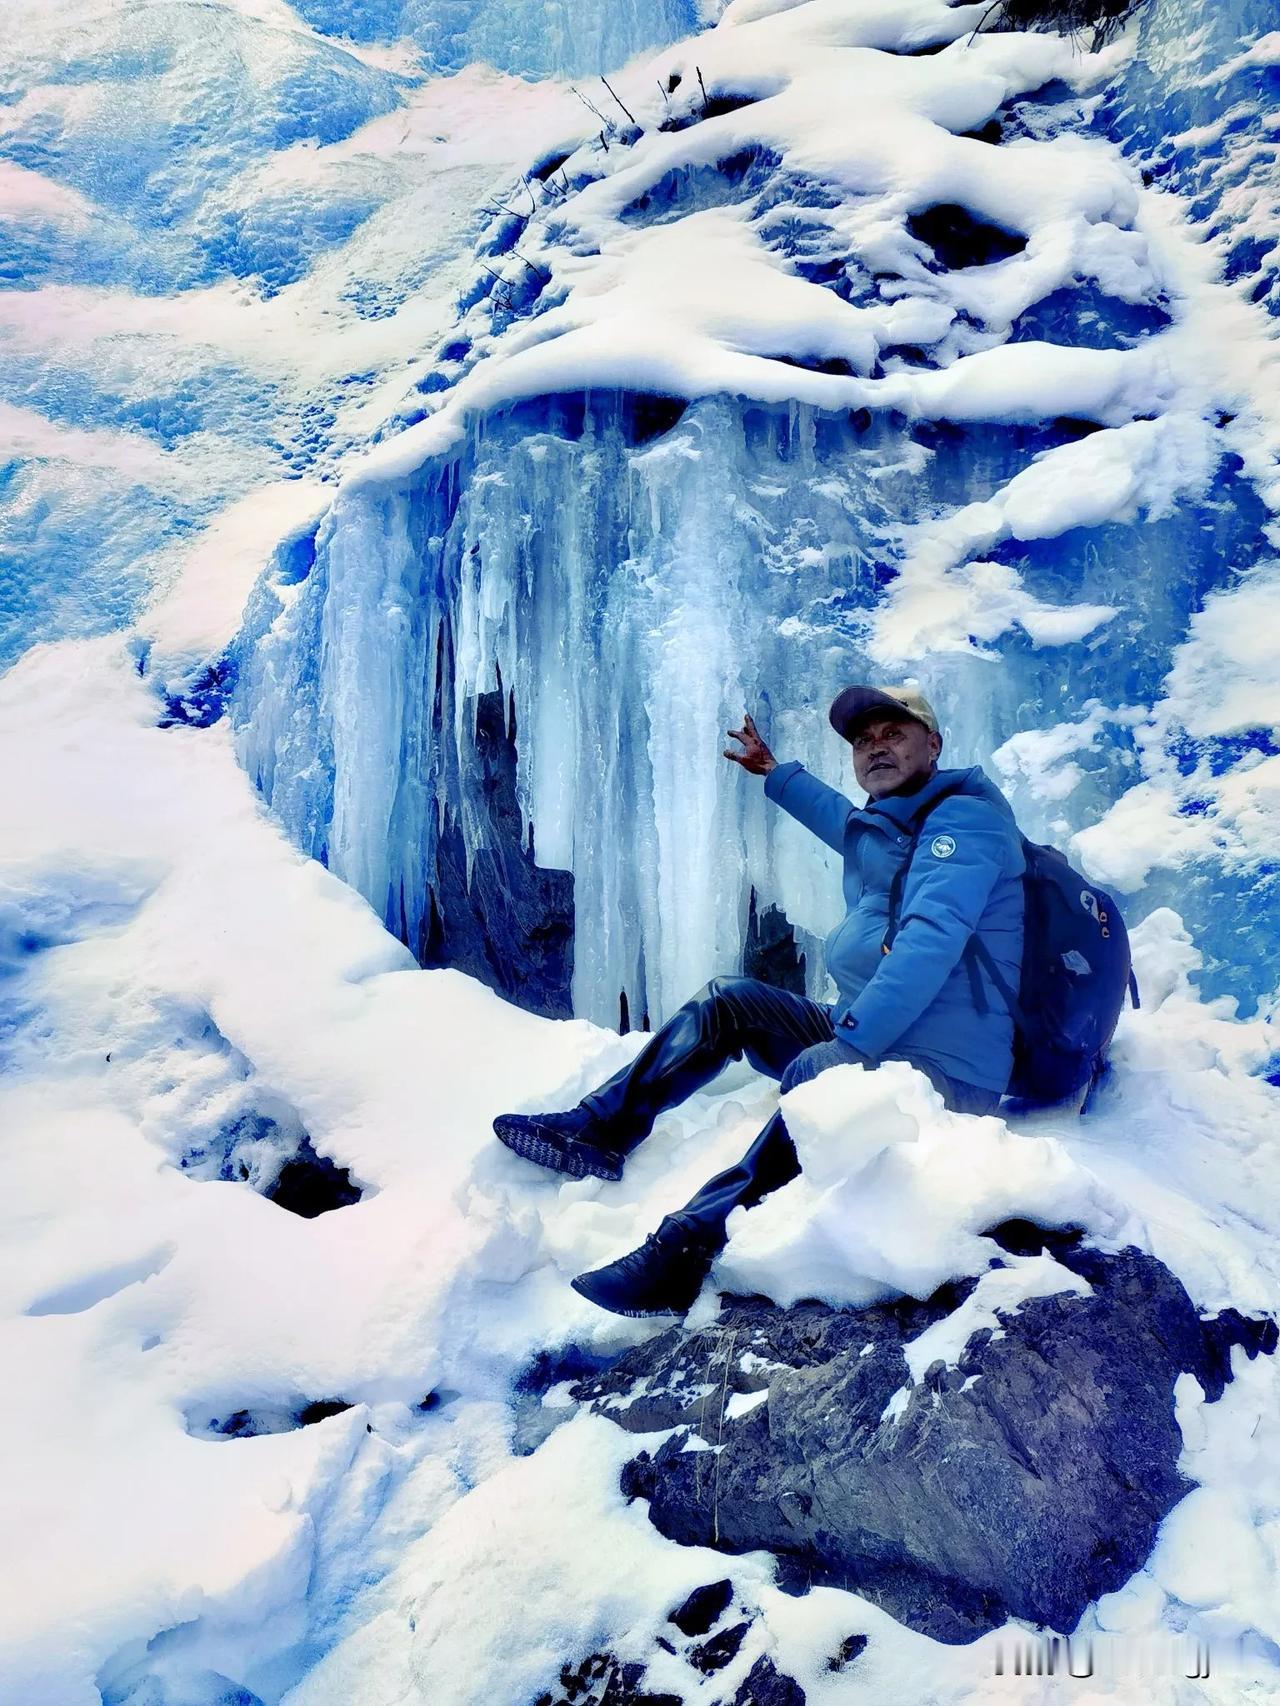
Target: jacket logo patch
pixel 942 846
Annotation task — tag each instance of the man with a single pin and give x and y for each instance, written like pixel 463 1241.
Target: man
pixel 919 998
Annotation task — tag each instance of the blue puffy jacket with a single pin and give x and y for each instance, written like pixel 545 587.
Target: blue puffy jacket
pixel 918 999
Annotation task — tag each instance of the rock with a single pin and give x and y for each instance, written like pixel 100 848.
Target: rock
pixel 851 1649
pixel 703 1609
pixel 767 1686
pixel 500 916
pixel 603 1680
pixel 770 952
pixel 720 1650
pixel 1021 1481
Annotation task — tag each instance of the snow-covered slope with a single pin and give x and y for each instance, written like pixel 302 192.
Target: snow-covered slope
pixel 184 994
pixel 219 225
pixel 732 423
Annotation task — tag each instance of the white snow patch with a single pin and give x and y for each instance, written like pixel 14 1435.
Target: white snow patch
pixel 743 1403
pixel 895 1191
pixel 1000 1291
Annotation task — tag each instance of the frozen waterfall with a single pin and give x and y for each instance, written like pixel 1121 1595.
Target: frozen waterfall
pixel 756 396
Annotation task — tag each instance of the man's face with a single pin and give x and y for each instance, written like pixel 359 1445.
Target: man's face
pixel 890 751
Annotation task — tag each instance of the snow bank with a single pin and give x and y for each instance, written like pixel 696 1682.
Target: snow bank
pixel 895 1192
pixel 648 310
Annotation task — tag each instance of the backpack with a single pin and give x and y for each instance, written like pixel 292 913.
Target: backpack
pixel 1076 968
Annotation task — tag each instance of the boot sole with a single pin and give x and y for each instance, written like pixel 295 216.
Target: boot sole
pixel 529 1147
pixel 632 1314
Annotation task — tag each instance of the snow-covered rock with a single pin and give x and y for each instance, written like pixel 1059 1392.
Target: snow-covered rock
pixel 1004 1450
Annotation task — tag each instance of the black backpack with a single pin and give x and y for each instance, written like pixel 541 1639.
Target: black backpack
pixel 1076 968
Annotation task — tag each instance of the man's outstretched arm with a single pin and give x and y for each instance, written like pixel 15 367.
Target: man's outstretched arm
pixel 821 809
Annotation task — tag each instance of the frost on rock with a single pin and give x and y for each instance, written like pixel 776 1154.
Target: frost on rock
pixel 762 390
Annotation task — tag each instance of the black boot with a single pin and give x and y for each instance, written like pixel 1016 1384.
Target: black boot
pixel 573 1143
pixel 662 1277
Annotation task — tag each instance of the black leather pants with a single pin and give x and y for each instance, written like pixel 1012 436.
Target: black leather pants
pixel 729 1018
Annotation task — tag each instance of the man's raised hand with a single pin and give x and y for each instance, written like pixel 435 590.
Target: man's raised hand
pixel 755 755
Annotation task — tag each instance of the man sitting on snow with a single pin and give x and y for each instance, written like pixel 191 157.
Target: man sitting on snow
pixel 921 999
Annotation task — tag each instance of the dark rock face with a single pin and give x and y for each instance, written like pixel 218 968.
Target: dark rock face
pixel 770 951
pixel 271 1152
pixel 1024 1481
pixel 510 923
pixel 767 1686
pixel 310 1185
pixel 959 240
pixel 603 1680
pixel 703 1609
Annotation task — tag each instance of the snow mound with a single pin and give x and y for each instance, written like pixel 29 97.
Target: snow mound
pixel 896 1191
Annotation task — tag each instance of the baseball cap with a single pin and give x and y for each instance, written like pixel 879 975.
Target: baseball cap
pixel 854 702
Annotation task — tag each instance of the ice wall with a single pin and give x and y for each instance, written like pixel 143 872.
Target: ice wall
pixel 525 36
pixel 767 391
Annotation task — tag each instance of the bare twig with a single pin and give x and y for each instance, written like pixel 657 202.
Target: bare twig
pixel 705 100
pixel 994 6
pixel 533 204
pixel 662 90
pixel 590 105
pixel 538 272
pixel 1104 18
pixel 609 86
pixel 501 295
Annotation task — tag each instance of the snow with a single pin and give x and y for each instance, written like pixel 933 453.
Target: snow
pixel 996 1295
pixel 942 599
pixel 24 194
pixel 1221 681
pixel 743 1403
pixel 1225 1518
pixel 285 381
pixel 212 366
pixel 157 917
pixel 647 310
pixel 893 1192
pixel 1221 684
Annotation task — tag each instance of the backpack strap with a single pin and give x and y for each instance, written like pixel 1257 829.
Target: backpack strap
pixel 900 875
pixel 979 994
pixel 977 951
pixel 1133 989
